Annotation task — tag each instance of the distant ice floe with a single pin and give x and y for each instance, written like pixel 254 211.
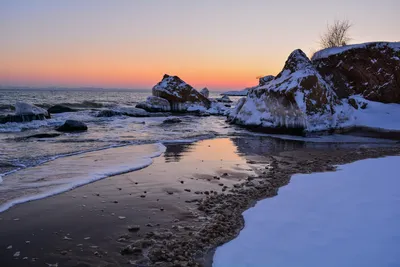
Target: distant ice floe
pixel 345 218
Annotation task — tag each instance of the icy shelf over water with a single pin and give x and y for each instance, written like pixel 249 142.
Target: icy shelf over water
pixel 67 173
pixel 345 218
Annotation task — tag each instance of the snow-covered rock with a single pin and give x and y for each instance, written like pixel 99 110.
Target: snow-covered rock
pixel 298 99
pixel 205 92
pixel 22 108
pixel 179 94
pixel 155 104
pixel 233 113
pixel 25 112
pixel 371 70
pixel 224 99
pixel 263 80
pixel 218 109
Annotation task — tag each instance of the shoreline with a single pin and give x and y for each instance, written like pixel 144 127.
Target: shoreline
pixel 177 227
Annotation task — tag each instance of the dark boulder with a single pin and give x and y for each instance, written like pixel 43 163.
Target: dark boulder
pixel 172 120
pixel 60 109
pixel 72 126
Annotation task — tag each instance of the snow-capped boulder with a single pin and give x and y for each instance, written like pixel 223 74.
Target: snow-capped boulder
pixel 224 99
pixel 205 92
pixel 298 99
pixel 25 112
pixel 263 80
pixel 155 104
pixel 371 70
pixel 233 113
pixel 179 94
pixel 22 109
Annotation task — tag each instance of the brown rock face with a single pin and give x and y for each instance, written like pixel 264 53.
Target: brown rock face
pixel 178 93
pixel 371 70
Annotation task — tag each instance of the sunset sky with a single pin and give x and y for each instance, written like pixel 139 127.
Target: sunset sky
pixel 132 43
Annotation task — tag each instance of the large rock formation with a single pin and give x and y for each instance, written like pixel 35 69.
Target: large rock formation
pixel 371 70
pixel 298 99
pixel 181 96
pixel 25 112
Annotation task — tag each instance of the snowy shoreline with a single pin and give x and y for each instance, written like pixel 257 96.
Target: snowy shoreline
pixel 323 212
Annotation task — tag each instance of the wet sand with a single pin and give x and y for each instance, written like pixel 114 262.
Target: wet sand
pixel 172 213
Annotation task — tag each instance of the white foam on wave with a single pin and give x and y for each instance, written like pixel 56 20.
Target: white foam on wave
pixel 67 173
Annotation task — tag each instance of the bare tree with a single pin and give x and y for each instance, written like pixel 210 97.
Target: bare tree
pixel 336 35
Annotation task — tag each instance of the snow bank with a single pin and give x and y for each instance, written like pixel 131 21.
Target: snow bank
pixel 337 50
pixel 377 115
pixel 344 218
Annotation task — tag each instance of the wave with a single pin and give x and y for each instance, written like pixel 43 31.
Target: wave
pixel 124 160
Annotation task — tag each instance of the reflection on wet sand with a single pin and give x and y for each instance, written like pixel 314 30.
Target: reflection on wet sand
pixel 174 152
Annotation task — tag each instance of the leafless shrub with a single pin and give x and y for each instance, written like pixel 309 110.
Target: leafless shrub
pixel 336 35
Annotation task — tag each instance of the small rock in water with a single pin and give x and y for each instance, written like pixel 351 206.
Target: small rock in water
pixel 27 242
pixel 87 238
pixel 9 247
pixel 17 254
pixel 72 126
pixel 67 238
pixel 188 190
pixel 16 219
pixel 142 196
pixel 25 258
pixel 121 217
pixel 133 228
pixel 64 252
